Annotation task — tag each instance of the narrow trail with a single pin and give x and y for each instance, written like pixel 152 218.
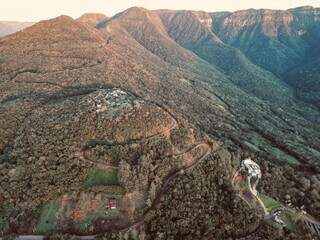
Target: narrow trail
pixel 205 151
pixel 253 195
pixel 167 181
pixel 42 237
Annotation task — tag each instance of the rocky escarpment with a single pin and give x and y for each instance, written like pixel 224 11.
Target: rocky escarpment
pixel 275 40
pixel 190 29
pixel 283 42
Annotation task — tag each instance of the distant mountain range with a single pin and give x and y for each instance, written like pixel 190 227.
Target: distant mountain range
pixel 146 93
pixel 283 42
pixel 9 27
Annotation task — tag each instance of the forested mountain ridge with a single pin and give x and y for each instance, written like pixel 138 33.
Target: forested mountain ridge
pixel 140 121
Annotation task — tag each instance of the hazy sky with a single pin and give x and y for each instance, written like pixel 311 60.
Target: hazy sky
pixel 35 10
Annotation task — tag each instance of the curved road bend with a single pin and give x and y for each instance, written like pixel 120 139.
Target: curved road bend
pixel 95 142
pixel 256 196
pixel 168 179
pixel 313 225
pixel 171 176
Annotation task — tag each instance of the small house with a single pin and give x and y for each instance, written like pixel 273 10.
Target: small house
pixel 112 203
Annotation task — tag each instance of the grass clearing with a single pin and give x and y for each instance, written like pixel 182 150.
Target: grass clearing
pixel 3 221
pixel 279 154
pixel 269 202
pixel 48 217
pixel 102 177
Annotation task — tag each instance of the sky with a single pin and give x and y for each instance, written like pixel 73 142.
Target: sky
pixel 36 10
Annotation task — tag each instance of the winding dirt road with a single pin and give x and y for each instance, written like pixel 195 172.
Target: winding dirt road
pixel 168 179
pixel 205 151
pixel 97 142
pixel 310 222
pixel 237 178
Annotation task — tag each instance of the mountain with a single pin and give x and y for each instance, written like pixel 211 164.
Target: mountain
pixel 305 80
pixel 279 41
pixel 92 19
pixel 273 39
pixel 193 31
pixel 9 27
pixel 132 124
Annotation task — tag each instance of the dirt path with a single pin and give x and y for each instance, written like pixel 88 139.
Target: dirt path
pixel 41 237
pixel 206 151
pixel 255 196
pixel 311 223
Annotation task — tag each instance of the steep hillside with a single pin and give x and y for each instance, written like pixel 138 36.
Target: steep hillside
pixel 134 22
pixel 305 79
pixel 74 163
pixel 75 99
pixel 275 40
pixel 146 28
pixel 7 27
pixel 192 30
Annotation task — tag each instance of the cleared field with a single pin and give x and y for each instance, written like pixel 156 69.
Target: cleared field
pixel 102 177
pixel 269 202
pixel 3 221
pixel 48 217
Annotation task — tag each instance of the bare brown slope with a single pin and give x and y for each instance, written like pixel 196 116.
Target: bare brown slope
pixel 146 28
pixel 92 19
pixel 192 30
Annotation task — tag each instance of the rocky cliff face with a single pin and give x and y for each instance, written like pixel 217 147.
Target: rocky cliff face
pixel 193 33
pixel 282 42
pixel 270 21
pixel 204 18
pixel 275 40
